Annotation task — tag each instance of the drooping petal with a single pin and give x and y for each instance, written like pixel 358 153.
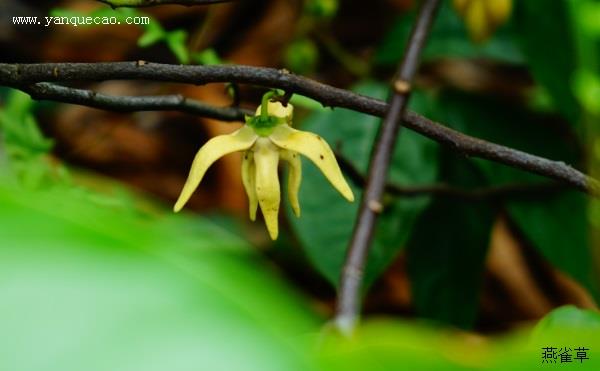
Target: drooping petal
pixel 317 150
pixel 210 152
pixel 294 178
pixel 266 158
pixel 477 21
pixel 249 180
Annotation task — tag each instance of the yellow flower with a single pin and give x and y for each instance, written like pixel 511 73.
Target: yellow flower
pixel 482 17
pixel 266 138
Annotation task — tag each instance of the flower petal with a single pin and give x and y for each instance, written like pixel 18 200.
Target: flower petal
pixel 294 178
pixel 317 150
pixel 477 21
pixel 210 152
pixel 266 158
pixel 249 180
pixel 278 110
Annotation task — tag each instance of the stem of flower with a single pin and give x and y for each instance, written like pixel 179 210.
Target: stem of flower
pixel 264 104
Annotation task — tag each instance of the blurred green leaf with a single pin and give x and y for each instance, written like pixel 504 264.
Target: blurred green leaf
pixel 154 33
pixel 589 15
pixel 571 318
pixel 301 56
pixel 19 127
pixel 90 287
pixel 546 39
pixel 207 57
pixel 555 224
pixel 447 250
pixel 24 146
pixel 397 345
pixel 176 41
pixel 321 8
pixel 448 39
pixel 327 219
pixel 587 89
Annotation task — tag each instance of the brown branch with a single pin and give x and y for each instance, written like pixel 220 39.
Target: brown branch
pixel 20 76
pixel 148 3
pixel 349 296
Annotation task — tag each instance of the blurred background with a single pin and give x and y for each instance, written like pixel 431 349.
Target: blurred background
pixel 86 232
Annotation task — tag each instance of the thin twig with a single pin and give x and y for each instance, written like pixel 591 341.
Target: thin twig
pixel 490 193
pixel 149 3
pixel 349 296
pixel 90 98
pixel 21 75
pixel 285 98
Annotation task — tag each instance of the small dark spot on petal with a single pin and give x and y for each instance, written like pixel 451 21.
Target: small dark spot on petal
pixel 321 156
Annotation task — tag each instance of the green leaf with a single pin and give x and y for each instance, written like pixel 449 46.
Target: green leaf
pixel 321 9
pixel 559 228
pixel 446 254
pixel 19 127
pixel 555 224
pixel 150 37
pixel 395 345
pixel 569 317
pixel 85 286
pixel 448 39
pixel 586 86
pixel 402 345
pixel 207 57
pixel 302 56
pixel 24 145
pixel 327 219
pixel 546 39
pixel 176 41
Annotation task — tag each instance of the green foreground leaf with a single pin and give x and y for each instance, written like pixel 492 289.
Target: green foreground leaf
pixel 90 287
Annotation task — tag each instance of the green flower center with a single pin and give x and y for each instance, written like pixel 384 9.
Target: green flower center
pixel 263 124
